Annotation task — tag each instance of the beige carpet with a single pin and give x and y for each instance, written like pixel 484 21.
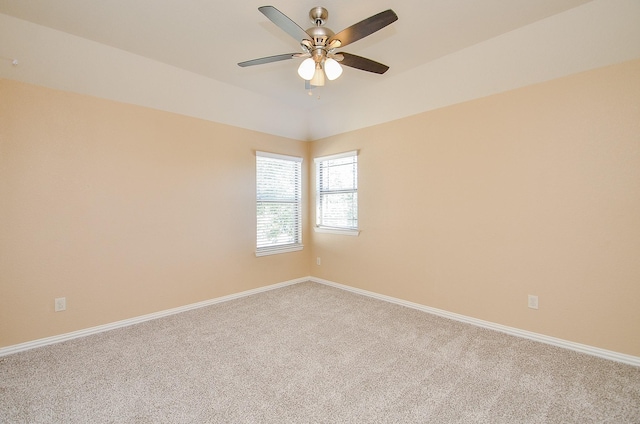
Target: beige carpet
pixel 309 353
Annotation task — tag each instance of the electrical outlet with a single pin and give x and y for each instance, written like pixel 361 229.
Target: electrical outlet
pixel 318 260
pixel 532 301
pixel 60 304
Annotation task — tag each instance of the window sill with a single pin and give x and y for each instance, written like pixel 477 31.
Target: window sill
pixel 336 231
pixel 277 250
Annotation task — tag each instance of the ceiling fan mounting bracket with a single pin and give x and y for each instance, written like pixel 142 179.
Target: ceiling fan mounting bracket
pixel 318 15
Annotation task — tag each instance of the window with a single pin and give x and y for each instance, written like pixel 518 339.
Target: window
pixel 279 203
pixel 337 193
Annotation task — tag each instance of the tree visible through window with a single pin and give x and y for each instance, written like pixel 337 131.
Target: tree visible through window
pixel 337 191
pixel 278 203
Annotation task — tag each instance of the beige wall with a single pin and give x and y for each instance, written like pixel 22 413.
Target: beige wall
pixel 127 211
pixel 472 207
pixel 124 211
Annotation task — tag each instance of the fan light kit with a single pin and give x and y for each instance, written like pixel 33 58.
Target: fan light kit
pixel 319 45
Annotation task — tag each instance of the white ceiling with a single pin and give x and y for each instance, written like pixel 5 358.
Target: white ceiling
pixel 209 37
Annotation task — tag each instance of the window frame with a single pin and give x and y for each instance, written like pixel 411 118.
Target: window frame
pixel 318 227
pixel 297 201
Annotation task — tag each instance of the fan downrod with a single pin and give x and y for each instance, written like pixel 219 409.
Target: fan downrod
pixel 319 33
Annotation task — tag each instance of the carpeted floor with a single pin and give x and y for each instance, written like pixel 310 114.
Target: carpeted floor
pixel 310 353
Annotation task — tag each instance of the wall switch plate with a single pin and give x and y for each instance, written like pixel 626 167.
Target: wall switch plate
pixel 318 260
pixel 60 304
pixel 532 301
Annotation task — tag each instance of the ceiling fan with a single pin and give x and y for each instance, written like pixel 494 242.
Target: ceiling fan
pixel 319 44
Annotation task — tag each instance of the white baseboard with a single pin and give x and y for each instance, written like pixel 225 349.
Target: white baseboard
pixel 590 350
pixel 136 320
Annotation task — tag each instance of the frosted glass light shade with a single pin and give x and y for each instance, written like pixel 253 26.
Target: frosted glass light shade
pixel 332 68
pixel 307 69
pixel 318 77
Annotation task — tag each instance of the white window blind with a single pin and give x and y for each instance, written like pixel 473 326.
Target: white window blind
pixel 337 191
pixel 279 203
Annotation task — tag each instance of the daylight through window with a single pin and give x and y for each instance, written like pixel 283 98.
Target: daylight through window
pixel 337 191
pixel 279 203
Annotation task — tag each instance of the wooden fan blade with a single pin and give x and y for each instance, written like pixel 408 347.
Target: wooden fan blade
pixel 268 59
pixel 363 63
pixel 363 28
pixel 286 24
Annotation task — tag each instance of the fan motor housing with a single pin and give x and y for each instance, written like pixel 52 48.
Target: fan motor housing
pixel 320 35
